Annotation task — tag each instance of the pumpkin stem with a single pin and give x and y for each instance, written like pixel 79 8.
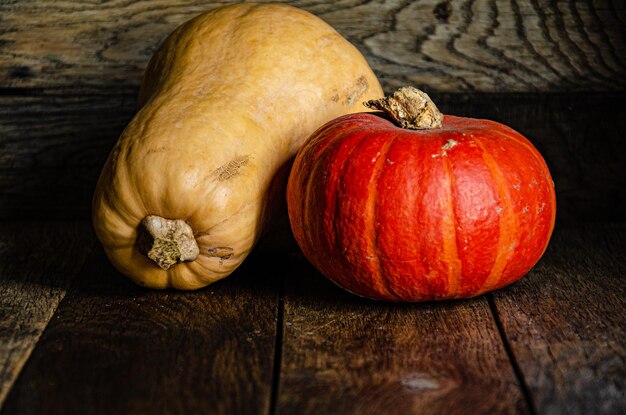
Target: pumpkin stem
pixel 166 241
pixel 409 108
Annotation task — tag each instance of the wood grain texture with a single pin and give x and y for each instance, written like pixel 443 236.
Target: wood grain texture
pixel 566 323
pixel 53 147
pixel 495 46
pixel 113 347
pixel 346 355
pixel 60 131
pixel 38 261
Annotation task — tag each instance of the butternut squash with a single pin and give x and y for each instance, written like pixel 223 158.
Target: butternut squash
pixel 225 104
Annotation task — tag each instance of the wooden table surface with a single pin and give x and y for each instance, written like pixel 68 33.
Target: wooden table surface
pixel 276 337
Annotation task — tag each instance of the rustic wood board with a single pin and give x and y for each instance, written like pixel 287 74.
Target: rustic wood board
pixel 38 261
pixel 54 147
pixel 345 355
pixel 566 323
pixel 555 346
pixel 113 347
pixel 436 44
pixel 61 131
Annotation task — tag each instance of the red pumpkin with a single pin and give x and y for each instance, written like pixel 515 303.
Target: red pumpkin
pixel 413 215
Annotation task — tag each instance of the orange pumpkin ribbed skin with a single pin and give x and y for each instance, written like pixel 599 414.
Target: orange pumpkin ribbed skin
pixel 417 215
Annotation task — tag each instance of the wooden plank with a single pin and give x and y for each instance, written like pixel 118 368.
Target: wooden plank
pixel 55 131
pixel 347 355
pixel 114 347
pixel 54 146
pixel 566 322
pixel 47 193
pixel 37 263
pixel 440 45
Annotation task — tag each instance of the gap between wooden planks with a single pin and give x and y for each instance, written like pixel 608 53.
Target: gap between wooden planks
pixel 347 355
pixel 116 347
pixel 565 322
pixel 562 326
pixel 38 262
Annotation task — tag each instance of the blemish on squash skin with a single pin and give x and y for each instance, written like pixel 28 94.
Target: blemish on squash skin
pixel 115 153
pixel 221 252
pixel 156 150
pixel 356 91
pixel 231 169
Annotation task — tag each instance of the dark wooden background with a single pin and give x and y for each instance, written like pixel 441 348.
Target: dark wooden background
pixel 275 337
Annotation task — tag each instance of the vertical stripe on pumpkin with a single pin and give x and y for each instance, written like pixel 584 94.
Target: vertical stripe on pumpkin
pixel 476 213
pixel 532 199
pixel 322 204
pixel 373 227
pixel 508 221
pixel 434 222
pixel 448 230
pixel 355 219
pixel 401 245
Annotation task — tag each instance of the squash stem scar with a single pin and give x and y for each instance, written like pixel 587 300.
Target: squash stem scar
pixel 167 242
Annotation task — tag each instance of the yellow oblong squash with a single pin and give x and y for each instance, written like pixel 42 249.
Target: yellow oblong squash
pixel 226 102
